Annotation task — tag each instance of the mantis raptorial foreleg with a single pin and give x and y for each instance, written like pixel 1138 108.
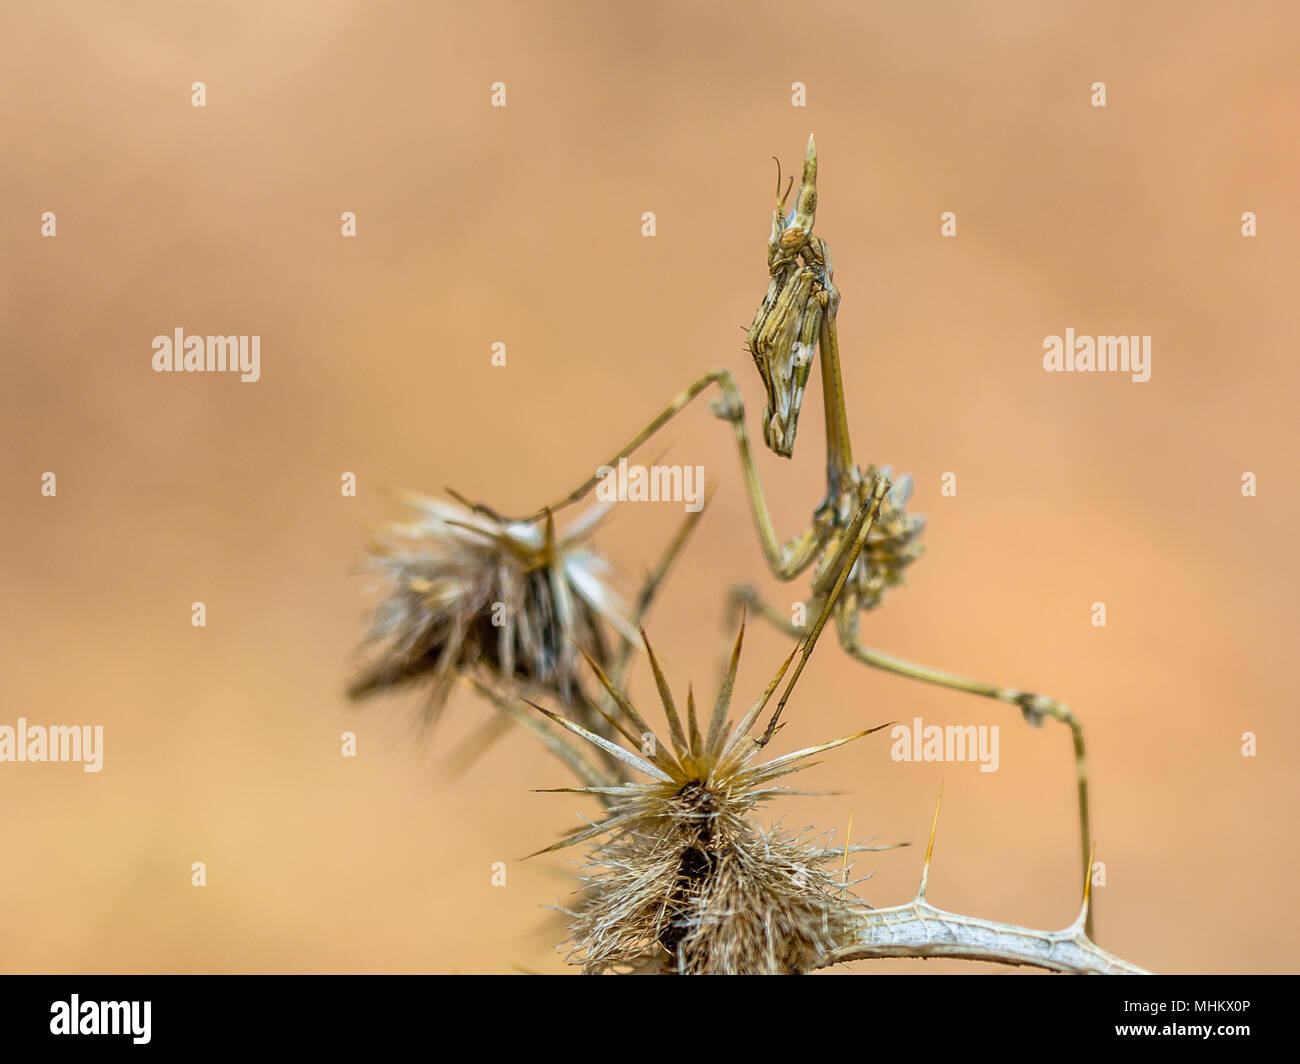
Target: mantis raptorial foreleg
pixel 786 560
pixel 746 599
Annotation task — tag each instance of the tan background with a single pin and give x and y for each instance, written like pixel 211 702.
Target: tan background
pixel 522 225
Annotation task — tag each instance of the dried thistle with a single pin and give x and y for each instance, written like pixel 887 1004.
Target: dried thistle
pixel 462 591
pixel 684 879
pixel 687 880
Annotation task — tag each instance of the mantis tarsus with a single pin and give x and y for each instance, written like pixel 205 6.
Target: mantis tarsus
pixel 797 317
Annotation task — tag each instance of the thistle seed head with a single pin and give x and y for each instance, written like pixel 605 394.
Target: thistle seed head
pixel 683 877
pixel 461 591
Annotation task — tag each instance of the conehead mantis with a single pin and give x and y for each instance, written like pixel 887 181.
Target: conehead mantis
pixel 795 320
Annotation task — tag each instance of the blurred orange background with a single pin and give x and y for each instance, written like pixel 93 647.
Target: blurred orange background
pixel 523 225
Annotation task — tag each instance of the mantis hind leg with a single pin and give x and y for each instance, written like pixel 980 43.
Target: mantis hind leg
pixel 1035 708
pixel 748 598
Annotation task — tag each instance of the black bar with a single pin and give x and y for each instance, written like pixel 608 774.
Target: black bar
pixel 485 1016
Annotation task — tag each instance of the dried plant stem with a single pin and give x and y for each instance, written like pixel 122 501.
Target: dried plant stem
pixel 918 929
